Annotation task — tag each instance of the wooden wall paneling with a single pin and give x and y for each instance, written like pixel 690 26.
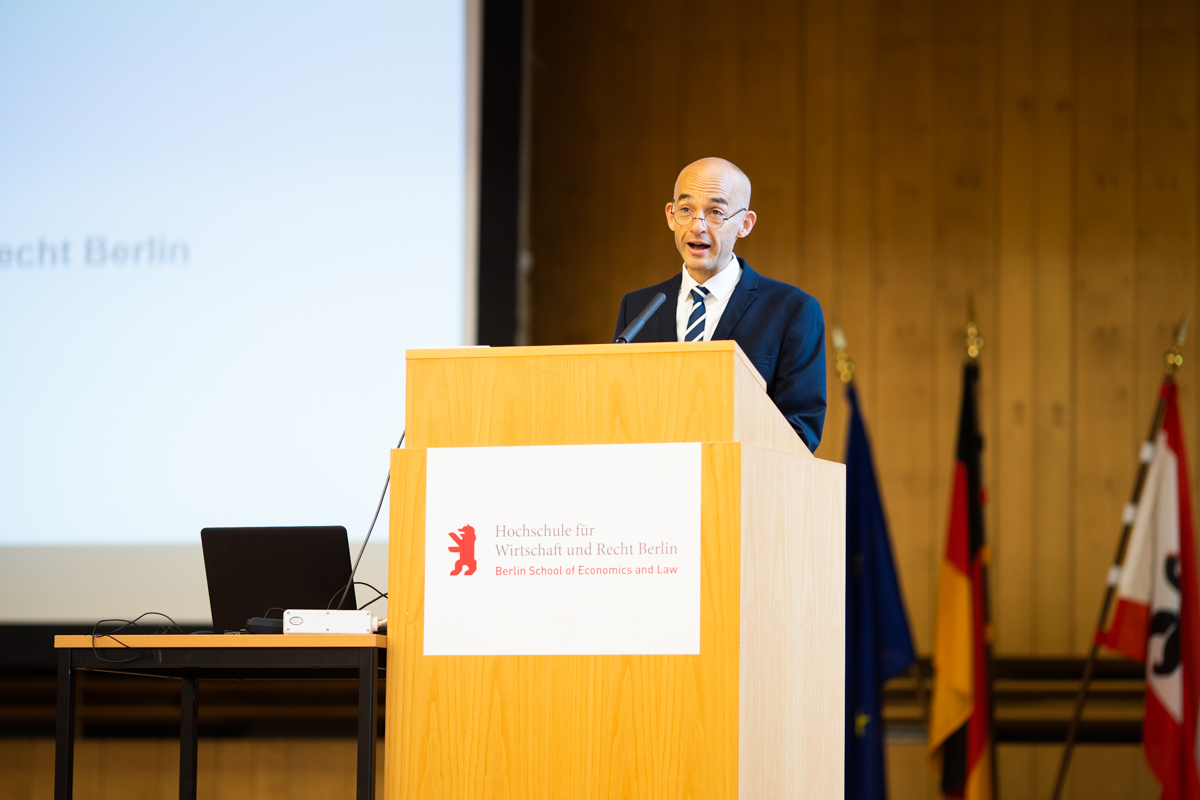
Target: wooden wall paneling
pixel 208 766
pixel 16 769
pixel 269 781
pixel 89 766
pixel 1092 245
pixel 1045 771
pixel 964 218
pixel 605 160
pixel 1145 785
pixel 903 145
pixel 168 768
pixel 1107 771
pixel 234 771
pixel 1052 464
pixel 707 116
pixel 606 69
pixel 261 770
pixel 1104 296
pixel 1111 772
pixel 1029 770
pixel 768 115
pixel 819 148
pixel 380 770
pixel 559 82
pixel 1012 352
pixel 963 243
pixel 130 770
pixel 638 72
pixel 1166 200
pixel 320 769
pixel 1015 773
pixel 1014 769
pixel 230 769
pixel 851 304
pixel 909 776
pixel 1097 772
pixel 42 784
pixel 550 229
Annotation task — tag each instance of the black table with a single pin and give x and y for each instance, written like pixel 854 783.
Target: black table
pixel 190 658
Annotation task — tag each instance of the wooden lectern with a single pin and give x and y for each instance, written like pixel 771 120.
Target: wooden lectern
pixel 757 714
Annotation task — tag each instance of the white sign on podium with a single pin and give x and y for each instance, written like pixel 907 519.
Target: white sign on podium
pixel 563 550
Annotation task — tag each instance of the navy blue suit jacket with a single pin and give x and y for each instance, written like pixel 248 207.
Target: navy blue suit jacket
pixel 780 328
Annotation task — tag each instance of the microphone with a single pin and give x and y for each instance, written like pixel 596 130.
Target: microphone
pixel 635 327
pixel 363 549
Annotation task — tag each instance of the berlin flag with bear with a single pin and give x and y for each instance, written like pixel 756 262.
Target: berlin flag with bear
pixel 1156 620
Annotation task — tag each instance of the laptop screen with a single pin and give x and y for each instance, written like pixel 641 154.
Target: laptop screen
pixel 259 572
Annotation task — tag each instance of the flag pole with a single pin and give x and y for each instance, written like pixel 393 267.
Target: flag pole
pixel 1173 361
pixel 974 345
pixel 844 365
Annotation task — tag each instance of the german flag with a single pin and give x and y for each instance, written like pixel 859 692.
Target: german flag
pixel 960 729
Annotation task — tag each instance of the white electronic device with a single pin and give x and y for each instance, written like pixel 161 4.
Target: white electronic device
pixel 312 620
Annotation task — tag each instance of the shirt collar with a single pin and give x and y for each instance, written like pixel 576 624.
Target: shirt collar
pixel 720 285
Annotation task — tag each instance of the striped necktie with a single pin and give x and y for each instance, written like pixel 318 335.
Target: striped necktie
pixel 695 328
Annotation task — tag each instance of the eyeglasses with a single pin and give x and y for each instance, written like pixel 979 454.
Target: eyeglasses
pixel 714 217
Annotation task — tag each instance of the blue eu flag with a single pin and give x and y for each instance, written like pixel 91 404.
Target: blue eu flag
pixel 878 643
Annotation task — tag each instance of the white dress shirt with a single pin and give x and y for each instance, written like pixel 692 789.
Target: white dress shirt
pixel 720 288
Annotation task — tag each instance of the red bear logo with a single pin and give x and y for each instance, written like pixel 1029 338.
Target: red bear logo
pixel 465 550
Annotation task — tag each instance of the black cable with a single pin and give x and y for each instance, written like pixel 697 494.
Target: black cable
pixel 375 599
pixel 374 519
pixel 129 623
pixel 378 594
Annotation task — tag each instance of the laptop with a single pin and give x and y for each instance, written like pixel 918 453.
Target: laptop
pixel 259 572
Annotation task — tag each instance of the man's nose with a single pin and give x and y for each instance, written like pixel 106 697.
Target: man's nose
pixel 699 218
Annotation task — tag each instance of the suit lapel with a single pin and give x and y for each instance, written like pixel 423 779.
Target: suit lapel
pixel 665 315
pixel 743 295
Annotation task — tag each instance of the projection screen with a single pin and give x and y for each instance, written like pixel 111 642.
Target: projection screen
pixel 221 226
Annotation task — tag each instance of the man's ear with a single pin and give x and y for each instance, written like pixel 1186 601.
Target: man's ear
pixel 670 215
pixel 748 221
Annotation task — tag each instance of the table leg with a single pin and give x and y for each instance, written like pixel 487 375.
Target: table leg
pixel 188 737
pixel 64 743
pixel 368 699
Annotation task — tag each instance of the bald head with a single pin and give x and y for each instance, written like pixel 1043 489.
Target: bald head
pixel 716 172
pixel 712 197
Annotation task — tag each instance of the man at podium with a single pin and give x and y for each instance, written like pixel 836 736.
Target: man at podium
pixel 718 296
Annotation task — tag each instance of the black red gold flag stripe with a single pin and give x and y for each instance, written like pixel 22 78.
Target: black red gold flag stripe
pixel 960 727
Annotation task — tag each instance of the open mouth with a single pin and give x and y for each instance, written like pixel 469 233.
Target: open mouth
pixel 698 248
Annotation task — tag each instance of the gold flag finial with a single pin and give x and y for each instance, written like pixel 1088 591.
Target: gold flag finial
pixel 1174 357
pixel 974 340
pixel 842 362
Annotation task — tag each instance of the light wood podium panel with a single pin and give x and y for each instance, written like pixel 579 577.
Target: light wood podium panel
pixel 757 714
pixel 590 394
